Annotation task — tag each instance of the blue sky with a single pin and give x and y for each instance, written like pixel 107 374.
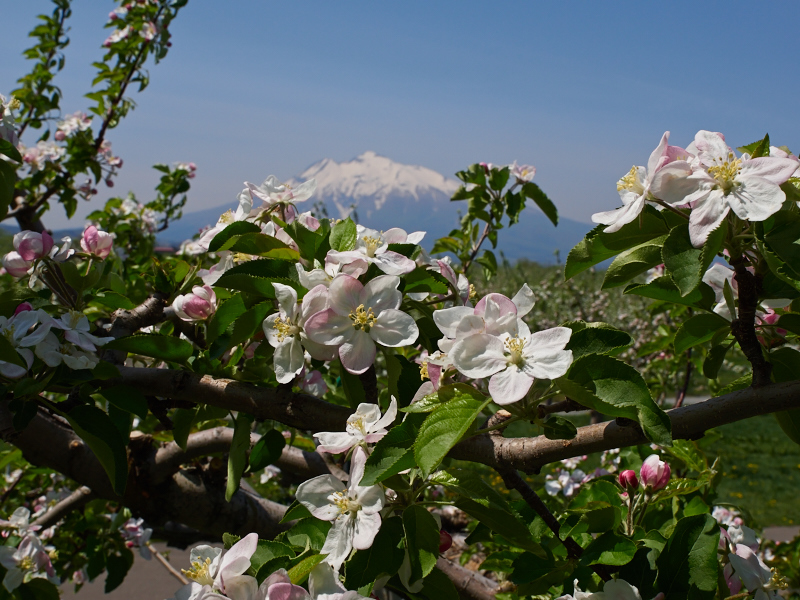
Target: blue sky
pixel 582 90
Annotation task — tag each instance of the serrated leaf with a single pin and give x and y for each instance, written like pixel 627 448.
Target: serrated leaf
pixel 422 540
pixel 384 557
pixel 633 262
pixel 295 511
pixel 8 149
pixel 595 338
pixel 343 236
pixel 393 453
pixel 267 550
pixel 299 573
pixel 233 230
pixel 227 312
pixel 714 359
pixel 688 565
pixel 308 533
pixel 665 289
pixel 126 398
pixel 443 428
pixel 163 347
pixel 609 549
pixel 698 329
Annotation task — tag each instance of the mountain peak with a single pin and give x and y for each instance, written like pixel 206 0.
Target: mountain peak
pixel 376 178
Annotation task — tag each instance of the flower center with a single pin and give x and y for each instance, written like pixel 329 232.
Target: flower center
pixel 363 319
pixel 725 172
pixel 357 423
pixel 423 370
pixel 472 292
pixel 226 217
pixel 776 582
pixel 628 182
pixel 200 572
pixel 285 328
pixel 372 244
pixel 344 503
pixel 8 333
pixel 515 346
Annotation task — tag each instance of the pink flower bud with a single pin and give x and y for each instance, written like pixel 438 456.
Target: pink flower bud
pixel 31 245
pixel 97 243
pixel 16 265
pixel 197 306
pixel 445 541
pixel 24 307
pixel 627 479
pixel 60 136
pixel 655 473
pixel 109 182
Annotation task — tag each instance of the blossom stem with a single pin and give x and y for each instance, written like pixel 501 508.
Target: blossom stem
pixel 88 268
pixel 673 209
pixel 172 571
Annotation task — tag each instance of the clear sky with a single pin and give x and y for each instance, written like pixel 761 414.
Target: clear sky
pixel 582 90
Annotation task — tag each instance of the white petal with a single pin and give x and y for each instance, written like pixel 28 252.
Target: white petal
pixel 616 218
pixel 706 216
pixel 381 293
pixel 448 319
pixel 358 353
pixel 775 170
pixel 313 494
pixel 314 301
pixel 415 237
pixel 478 356
pixel 367 526
pixel 388 418
pixel 393 263
pixel 756 199
pixel 509 385
pixel 287 299
pixel 335 441
pixel 345 294
pixel 339 542
pixel 524 300
pixel 394 328
pixel 288 360
pixel 329 328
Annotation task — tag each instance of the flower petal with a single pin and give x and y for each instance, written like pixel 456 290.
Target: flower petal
pixel 524 300
pixel 287 298
pixel 479 355
pixel 706 216
pixel 756 199
pixel 313 494
pixel 358 353
pixel 393 263
pixel 329 328
pixel 288 360
pixel 367 526
pixel 773 169
pixel 339 542
pixel 381 293
pixel 448 319
pixel 509 385
pixel 345 293
pixel 388 418
pixel 394 328
pixel 335 442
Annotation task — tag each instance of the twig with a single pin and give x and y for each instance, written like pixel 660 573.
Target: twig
pixel 567 405
pixel 77 499
pixel 685 388
pixel 513 481
pixel 476 248
pixel 7 491
pixel 172 570
pixel 743 326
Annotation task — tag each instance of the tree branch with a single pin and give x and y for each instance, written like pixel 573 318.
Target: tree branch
pixel 743 326
pixel 470 585
pixel 76 500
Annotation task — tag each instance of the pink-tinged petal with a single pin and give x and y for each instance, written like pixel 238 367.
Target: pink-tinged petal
pixel 279 576
pixel 756 199
pixel 509 385
pixel 425 389
pixel 657 155
pixel 394 328
pixel 357 354
pixel 435 375
pixel 479 356
pixel 673 184
pixel 393 263
pixel 524 300
pixel 318 351
pixel 415 237
pixel 374 438
pixel 345 294
pixel 493 306
pixel 357 465
pixel 448 319
pixel 749 567
pixel 447 272
pixel 706 216
pixel 335 442
pixel 323 581
pixel 288 360
pixel 286 591
pixel 287 299
pixel 313 494
pixel 314 301
pixel 711 142
pixel 381 293
pixel 239 587
pixel 367 526
pixel 395 235
pixel 776 170
pixel 470 325
pixel 618 217
pixel 329 328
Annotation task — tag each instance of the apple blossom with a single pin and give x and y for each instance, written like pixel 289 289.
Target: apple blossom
pixel 15 330
pixel 78 121
pixel 360 316
pixel 372 246
pixel 284 330
pixel 325 275
pixel 148 31
pixel 365 426
pixel 117 36
pixel 722 182
pixel 353 509
pixel 323 584
pixel 313 383
pixel 628 480
pixel 136 535
pixel 54 352
pixel 39 155
pixel 31 245
pixel 614 589
pixel 756 576
pixel 8 125
pixel 522 173
pixel 200 304
pixel 76 330
pixel 565 482
pixel 24 307
pixel 97 243
pixel 274 193
pixel 278 586
pixel 664 168
pixel 15 265
pixel 655 473
pixel 214 570
pixel 29 560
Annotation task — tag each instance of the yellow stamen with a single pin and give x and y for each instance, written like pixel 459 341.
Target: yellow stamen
pixel 725 172
pixel 200 572
pixel 423 370
pixel 343 503
pixel 226 217
pixel 285 328
pixel 363 319
pixel 26 564
pixel 372 244
pixel 628 181
pixel 515 346
pixel 472 292
pixel 14 104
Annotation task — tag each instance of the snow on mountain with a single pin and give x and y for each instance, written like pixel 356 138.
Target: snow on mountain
pixel 380 193
pixel 369 181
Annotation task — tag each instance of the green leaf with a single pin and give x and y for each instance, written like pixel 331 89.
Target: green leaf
pixel 231 232
pixel 422 540
pixel 424 405
pixel 171 349
pixel 714 359
pixel 595 338
pixel 559 428
pixel 265 552
pixel 126 398
pixel 8 149
pixel 267 450
pixel 443 428
pixel 665 289
pixel 790 322
pixel 609 549
pixel 237 458
pixel 698 330
pixel 535 193
pixel 757 149
pixel 529 567
pixel 688 565
pixel 182 421
pixel 299 573
pixel 633 262
pixel 9 354
pixel 259 244
pixel 682 260
pixel 343 236
pixel 308 533
pixel 598 246
pixel 612 387
pixel 423 280
pixel 438 586
pixel 37 589
pixel 393 453
pixel 384 557
pixel 249 323
pixel 113 300
pixel 403 378
pixel 8 180
pixel 97 429
pixel 230 310
pixel 353 390
pixel 295 511
pixel 117 566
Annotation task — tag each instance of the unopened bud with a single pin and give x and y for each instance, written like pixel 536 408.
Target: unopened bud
pixel 628 480
pixel 655 473
pixel 445 541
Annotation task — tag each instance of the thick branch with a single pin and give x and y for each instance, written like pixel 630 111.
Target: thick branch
pixel 470 585
pixel 743 326
pixel 688 422
pixel 279 404
pixel 128 322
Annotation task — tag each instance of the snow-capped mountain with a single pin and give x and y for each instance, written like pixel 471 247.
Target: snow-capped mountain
pixel 381 193
pixel 372 183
